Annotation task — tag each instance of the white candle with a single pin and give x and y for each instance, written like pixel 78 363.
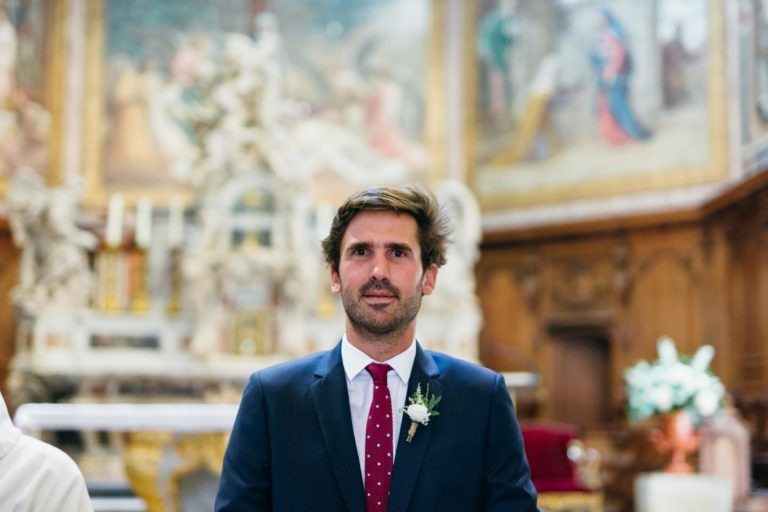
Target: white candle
pixel 143 223
pixel 115 221
pixel 175 223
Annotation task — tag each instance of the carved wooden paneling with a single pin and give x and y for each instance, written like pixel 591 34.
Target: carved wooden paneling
pixel 744 231
pixel 508 297
pixel 667 291
pixel 9 263
pixel 582 283
pixel 581 275
pixel 700 278
pixel 759 301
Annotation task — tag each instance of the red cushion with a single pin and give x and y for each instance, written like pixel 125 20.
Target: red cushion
pixel 546 446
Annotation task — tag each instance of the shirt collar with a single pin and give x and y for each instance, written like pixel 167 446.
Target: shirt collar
pixel 355 360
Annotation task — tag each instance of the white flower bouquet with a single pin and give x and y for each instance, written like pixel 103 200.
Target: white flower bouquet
pixel 674 382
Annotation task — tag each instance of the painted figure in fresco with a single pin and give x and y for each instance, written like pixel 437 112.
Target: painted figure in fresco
pixel 386 132
pixel 192 60
pixel 268 53
pixel 170 110
pixel 388 110
pixel 24 133
pixel 29 56
pixel 761 58
pixel 167 130
pixel 612 63
pixel 131 150
pixel 496 37
pixel 8 54
pixel 674 56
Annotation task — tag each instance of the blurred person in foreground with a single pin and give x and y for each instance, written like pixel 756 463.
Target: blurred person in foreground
pixel 35 476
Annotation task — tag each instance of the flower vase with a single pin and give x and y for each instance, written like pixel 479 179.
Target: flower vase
pixel 678 437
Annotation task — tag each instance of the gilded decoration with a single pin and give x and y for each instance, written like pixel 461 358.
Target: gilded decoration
pixel 32 88
pixel 156 463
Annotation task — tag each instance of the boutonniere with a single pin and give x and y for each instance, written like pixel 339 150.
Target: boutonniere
pixel 422 408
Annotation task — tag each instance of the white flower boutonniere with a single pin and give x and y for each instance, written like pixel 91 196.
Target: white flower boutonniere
pixel 422 408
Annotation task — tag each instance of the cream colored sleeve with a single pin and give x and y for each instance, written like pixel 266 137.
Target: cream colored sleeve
pixel 43 478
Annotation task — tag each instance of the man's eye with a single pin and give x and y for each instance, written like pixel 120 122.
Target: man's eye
pixel 360 251
pixel 399 253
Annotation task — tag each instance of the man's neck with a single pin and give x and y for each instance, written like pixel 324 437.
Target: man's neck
pixel 381 348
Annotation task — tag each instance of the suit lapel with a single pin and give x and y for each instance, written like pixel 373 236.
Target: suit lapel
pixel 409 456
pixel 330 395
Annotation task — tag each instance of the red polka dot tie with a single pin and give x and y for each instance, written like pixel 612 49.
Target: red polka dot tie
pixel 378 442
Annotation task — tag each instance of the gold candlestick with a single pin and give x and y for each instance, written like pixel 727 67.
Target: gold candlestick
pixel 174 296
pixel 110 299
pixel 140 302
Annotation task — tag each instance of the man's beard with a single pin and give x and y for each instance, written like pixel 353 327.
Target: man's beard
pixel 374 323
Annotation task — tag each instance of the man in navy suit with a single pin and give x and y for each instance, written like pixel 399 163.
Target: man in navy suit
pixel 301 440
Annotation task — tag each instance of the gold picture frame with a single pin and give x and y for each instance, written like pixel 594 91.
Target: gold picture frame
pixel 37 92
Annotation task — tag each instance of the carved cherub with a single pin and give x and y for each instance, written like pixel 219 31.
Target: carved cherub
pixel 54 263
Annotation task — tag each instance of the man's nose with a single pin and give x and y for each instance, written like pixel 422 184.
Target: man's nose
pixel 380 268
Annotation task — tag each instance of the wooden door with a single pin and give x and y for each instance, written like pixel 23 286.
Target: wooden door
pixel 579 387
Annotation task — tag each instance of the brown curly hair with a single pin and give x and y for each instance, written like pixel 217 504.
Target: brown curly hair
pixel 433 224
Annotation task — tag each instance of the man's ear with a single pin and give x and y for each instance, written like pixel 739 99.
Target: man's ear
pixel 335 280
pixel 429 280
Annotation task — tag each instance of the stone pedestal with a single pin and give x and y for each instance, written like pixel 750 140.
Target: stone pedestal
pixel 665 492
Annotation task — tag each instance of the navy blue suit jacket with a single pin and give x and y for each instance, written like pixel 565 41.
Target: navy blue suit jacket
pixel 292 446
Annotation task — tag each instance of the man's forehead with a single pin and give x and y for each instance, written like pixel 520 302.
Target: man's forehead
pixel 381 228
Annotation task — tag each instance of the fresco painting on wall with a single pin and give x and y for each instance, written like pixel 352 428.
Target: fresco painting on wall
pixel 359 69
pixel 362 64
pixel 25 121
pixel 580 99
pixel 745 29
pixel 760 59
pixel 752 45
pixel 359 65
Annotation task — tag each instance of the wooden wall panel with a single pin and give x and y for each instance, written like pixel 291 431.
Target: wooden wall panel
pixel 758 306
pixel 747 268
pixel 571 291
pixel 508 294
pixel 699 276
pixel 666 296
pixel 717 324
pixel 9 265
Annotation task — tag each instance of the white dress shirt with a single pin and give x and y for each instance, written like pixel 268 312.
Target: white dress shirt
pixel 360 389
pixel 35 476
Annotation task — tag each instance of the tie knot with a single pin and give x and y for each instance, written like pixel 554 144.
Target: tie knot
pixel 379 372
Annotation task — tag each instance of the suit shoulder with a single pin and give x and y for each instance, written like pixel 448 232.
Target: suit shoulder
pixel 289 371
pixel 452 366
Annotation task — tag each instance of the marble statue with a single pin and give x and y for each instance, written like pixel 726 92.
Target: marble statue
pixel 247 186
pixel 54 262
pixel 451 317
